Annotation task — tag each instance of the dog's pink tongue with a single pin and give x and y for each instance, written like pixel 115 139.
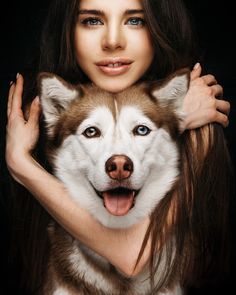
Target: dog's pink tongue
pixel 118 204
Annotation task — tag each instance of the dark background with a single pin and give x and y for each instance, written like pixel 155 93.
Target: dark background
pixel 216 27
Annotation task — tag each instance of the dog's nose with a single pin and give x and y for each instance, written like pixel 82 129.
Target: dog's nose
pixel 119 167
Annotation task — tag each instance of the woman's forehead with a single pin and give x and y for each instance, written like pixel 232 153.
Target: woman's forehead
pixel 110 4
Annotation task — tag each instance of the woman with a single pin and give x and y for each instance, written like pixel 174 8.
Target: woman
pixel 113 44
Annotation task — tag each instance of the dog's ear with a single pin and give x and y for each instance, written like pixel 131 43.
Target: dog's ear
pixel 55 95
pixel 172 90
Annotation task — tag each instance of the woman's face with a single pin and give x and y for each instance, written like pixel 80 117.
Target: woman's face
pixel 112 43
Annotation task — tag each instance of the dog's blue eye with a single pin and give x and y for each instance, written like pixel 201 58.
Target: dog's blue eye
pixel 141 130
pixel 92 132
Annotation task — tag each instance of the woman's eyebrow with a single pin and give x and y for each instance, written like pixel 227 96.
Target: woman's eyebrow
pixel 134 11
pixel 102 13
pixel 91 11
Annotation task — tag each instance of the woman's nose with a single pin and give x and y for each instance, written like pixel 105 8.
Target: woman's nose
pixel 114 38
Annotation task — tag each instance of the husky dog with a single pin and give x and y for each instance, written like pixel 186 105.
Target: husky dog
pixel 118 155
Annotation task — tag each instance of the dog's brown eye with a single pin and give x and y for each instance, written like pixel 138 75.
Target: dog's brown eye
pixel 92 132
pixel 141 130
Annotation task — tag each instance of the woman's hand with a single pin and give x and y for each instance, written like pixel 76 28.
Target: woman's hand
pixel 22 134
pixel 201 104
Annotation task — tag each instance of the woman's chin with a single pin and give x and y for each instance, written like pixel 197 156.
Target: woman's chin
pixel 114 87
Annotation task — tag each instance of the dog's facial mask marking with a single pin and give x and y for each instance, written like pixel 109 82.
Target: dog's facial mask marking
pixel 120 160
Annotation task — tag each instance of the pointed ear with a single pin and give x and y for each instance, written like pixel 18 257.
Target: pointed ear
pixel 55 95
pixel 173 90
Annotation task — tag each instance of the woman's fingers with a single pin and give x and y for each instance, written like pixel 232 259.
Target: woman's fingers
pixel 217 90
pixel 206 116
pixel 10 98
pixel 223 106
pixel 196 71
pixel 14 110
pixel 218 117
pixel 34 112
pixel 209 79
pixel 17 96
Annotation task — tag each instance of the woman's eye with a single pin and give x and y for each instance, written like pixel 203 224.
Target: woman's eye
pixel 92 132
pixel 141 130
pixel 91 21
pixel 136 21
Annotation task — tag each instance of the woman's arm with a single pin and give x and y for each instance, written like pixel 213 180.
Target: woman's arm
pixel 22 135
pixel 120 247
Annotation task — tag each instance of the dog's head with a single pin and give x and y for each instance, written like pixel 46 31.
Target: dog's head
pixel 116 153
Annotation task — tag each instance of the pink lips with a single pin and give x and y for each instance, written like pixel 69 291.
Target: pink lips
pixel 114 66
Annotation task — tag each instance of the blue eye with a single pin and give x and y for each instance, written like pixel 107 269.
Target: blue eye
pixel 141 130
pixel 136 21
pixel 92 132
pixel 91 21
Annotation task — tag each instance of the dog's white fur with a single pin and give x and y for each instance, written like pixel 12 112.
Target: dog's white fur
pixel 79 162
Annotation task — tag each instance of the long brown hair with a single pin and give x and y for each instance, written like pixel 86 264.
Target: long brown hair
pixel 194 242
pixel 199 202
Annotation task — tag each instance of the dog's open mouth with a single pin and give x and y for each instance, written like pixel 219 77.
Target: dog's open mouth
pixel 118 201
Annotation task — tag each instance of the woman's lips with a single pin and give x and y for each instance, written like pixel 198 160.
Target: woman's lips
pixel 115 66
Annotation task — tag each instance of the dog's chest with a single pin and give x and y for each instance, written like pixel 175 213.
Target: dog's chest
pixel 77 268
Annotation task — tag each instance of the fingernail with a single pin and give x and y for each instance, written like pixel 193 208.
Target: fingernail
pixel 11 83
pixel 17 75
pixel 196 66
pixel 36 100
